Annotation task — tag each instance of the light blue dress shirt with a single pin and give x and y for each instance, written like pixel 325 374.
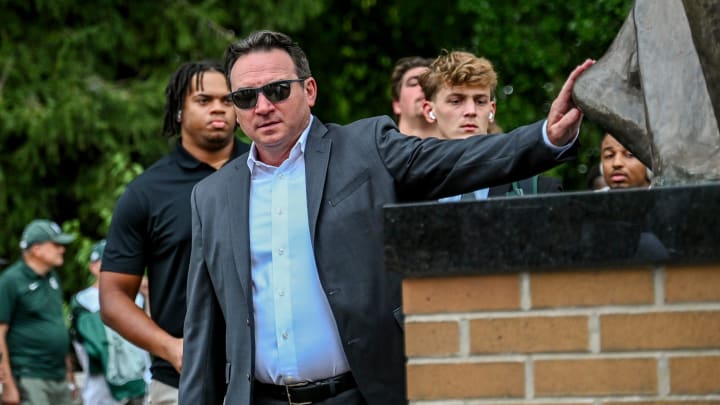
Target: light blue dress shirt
pixel 296 337
pixel 481 194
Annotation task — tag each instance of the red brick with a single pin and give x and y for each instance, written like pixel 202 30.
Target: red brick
pixel 431 338
pixel 465 380
pixel 461 294
pixel 692 284
pixel 664 330
pixel 549 402
pixel 595 377
pixel 695 375
pixel 590 288
pixel 529 334
pixel 683 402
pixel 678 402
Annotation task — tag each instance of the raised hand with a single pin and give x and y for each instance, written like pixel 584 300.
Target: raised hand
pixel 564 118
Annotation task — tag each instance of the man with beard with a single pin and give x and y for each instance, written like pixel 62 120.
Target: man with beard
pixel 620 167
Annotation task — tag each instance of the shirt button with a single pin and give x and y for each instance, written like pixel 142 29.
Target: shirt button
pixel 247 321
pixel 279 212
pixel 281 251
pixel 281 293
pixel 285 335
pixel 281 175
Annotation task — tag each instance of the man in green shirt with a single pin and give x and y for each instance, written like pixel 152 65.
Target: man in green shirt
pixel 34 341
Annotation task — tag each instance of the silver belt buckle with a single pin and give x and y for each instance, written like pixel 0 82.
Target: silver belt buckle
pixel 287 392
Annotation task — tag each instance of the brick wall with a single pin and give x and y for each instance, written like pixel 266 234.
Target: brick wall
pixel 610 337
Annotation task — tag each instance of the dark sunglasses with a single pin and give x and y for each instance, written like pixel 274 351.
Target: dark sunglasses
pixel 276 91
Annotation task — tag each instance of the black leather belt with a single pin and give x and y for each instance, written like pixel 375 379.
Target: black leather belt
pixel 307 392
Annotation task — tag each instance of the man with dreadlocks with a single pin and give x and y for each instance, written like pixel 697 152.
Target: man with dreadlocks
pixel 151 226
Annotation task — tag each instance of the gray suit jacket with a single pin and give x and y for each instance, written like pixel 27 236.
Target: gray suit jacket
pixel 351 173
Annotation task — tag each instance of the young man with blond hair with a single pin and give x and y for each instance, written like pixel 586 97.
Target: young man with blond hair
pixel 460 99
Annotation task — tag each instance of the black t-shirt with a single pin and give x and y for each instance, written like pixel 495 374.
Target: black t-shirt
pixel 151 229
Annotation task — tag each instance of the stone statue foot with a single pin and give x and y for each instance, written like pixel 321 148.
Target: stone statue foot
pixel 609 93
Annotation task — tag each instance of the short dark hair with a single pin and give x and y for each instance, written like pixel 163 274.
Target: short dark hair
pixel 402 66
pixel 266 41
pixel 179 86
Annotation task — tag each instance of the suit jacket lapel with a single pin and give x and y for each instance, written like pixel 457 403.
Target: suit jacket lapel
pixel 238 197
pixel 317 156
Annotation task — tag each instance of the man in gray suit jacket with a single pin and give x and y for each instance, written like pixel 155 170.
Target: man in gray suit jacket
pixel 288 301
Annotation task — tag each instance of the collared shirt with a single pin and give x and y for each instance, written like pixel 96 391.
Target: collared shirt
pixel 481 194
pixel 32 307
pixel 151 229
pixel 557 149
pixel 296 337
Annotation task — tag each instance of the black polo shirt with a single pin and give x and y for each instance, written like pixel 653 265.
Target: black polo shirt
pixel 151 229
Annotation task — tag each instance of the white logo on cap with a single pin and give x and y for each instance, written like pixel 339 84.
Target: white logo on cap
pixel 55 227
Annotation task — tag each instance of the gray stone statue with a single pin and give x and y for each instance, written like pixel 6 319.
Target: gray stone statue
pixel 657 89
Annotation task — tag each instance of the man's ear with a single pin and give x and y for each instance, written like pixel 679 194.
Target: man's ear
pixel 310 91
pixel 396 107
pixel 427 108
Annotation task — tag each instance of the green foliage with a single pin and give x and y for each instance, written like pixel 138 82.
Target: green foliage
pixel 353 52
pixel 534 46
pixel 82 87
pixel 82 98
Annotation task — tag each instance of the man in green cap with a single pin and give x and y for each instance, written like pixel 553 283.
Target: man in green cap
pixel 34 342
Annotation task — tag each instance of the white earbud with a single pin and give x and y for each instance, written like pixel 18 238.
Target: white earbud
pixel 179 116
pixel 432 115
pixel 490 116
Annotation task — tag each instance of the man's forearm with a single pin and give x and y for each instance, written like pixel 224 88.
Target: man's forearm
pixel 70 377
pixel 118 311
pixel 131 322
pixel 6 377
pixel 69 372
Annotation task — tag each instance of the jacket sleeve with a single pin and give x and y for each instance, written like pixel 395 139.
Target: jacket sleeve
pixel 428 169
pixel 89 329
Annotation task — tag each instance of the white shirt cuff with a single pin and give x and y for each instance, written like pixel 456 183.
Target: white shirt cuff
pixel 557 149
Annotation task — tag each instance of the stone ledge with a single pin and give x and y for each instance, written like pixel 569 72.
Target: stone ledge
pixel 573 230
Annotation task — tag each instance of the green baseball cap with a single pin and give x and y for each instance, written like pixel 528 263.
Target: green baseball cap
pixel 44 230
pixel 97 251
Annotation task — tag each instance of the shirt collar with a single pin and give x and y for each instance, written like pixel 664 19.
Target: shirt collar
pixel 30 273
pixel 188 161
pixel 300 144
